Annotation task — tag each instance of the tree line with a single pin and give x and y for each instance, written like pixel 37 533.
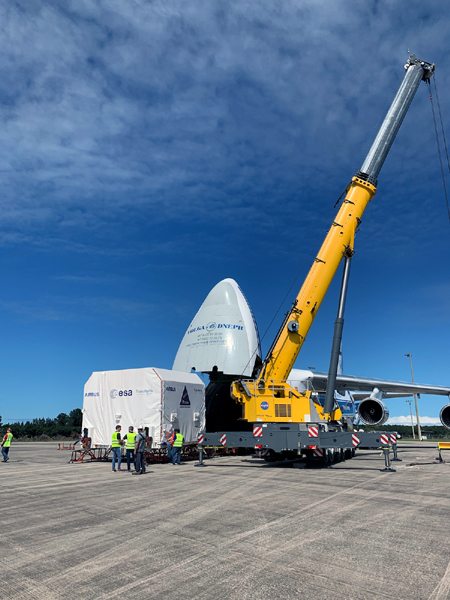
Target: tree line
pixel 69 426
pixel 64 425
pixel 430 431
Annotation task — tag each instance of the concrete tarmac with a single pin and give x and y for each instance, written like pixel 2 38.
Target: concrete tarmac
pixel 236 529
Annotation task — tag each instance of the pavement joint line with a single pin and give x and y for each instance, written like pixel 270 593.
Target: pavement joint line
pixel 306 508
pixel 377 595
pixel 291 517
pixel 243 535
pixel 56 523
pixel 441 591
pixel 168 570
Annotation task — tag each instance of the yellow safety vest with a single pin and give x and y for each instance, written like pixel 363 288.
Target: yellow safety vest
pixel 115 440
pixel 7 442
pixel 131 438
pixel 178 441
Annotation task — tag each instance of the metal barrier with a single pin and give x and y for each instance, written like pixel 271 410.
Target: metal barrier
pixel 188 452
pixel 90 454
pixel 151 455
pixel 442 446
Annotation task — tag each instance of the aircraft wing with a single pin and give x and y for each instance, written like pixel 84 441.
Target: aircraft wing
pixel 357 396
pixel 367 384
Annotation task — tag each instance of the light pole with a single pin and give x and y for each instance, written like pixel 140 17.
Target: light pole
pixel 412 422
pixel 419 433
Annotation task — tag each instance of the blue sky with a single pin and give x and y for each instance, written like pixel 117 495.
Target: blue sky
pixel 150 149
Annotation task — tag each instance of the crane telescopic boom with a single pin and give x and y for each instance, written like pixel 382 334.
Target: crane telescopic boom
pixel 269 397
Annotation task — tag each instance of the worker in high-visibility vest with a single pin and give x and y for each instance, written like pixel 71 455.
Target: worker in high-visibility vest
pixel 130 438
pixel 176 448
pixel 116 444
pixel 6 444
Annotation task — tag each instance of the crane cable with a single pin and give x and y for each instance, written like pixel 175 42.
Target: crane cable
pixel 344 192
pixel 437 140
pixel 308 259
pixel 305 262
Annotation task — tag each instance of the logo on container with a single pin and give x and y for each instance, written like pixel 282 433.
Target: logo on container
pixel 91 394
pixel 185 398
pixel 114 393
pixel 264 405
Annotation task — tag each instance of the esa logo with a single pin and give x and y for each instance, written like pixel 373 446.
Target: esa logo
pixel 114 393
pixel 170 388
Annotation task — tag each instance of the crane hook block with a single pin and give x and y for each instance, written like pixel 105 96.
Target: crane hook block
pixel 293 326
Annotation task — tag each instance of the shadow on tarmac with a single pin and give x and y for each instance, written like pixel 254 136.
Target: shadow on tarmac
pixel 289 464
pixel 301 466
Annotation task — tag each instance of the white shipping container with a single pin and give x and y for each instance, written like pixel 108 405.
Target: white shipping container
pixel 159 399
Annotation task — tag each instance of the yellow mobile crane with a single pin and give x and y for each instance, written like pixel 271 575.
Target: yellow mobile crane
pixel 284 414
pixel 283 403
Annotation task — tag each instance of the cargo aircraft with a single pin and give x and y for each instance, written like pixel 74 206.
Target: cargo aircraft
pixel 223 341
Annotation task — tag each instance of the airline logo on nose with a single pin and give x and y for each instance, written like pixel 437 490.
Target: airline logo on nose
pixel 212 326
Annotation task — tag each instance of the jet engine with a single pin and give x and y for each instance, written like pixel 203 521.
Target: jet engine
pixel 444 416
pixel 372 411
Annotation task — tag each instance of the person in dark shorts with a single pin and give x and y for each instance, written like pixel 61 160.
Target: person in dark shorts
pixel 140 443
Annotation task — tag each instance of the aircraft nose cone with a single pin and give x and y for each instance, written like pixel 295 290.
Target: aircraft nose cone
pixel 223 334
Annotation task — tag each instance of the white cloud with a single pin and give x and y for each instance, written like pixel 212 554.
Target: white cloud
pixel 407 421
pixel 189 110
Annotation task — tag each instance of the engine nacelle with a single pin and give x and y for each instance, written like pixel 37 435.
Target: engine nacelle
pixel 444 416
pixel 373 412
